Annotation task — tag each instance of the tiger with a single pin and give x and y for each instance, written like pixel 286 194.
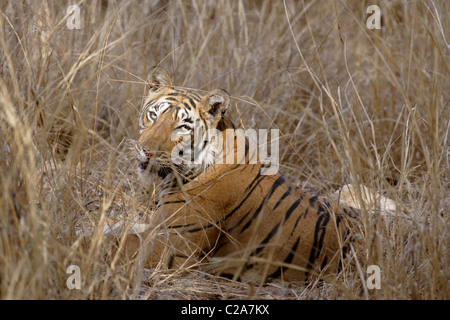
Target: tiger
pixel 230 218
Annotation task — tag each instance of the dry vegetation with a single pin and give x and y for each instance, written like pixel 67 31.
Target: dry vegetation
pixel 354 106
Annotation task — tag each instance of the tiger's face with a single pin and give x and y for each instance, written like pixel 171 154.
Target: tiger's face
pixel 171 117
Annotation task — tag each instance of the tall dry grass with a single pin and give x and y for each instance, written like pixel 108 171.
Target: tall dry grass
pixel 354 105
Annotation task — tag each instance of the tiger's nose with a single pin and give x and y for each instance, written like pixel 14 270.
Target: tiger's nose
pixel 147 152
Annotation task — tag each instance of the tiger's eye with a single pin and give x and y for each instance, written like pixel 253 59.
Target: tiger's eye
pixel 151 116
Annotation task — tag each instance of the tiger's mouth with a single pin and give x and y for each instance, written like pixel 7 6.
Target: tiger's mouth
pixel 161 171
pixel 143 165
pixel 152 166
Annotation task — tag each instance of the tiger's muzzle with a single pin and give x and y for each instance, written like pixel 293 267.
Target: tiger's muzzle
pixel 154 161
pixel 144 158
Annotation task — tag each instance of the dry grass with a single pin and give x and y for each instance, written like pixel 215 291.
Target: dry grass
pixel 354 106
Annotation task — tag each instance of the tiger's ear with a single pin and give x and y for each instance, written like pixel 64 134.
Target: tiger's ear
pixel 214 105
pixel 157 79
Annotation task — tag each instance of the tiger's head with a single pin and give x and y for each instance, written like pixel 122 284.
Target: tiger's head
pixel 171 117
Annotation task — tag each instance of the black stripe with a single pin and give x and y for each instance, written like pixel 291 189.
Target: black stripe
pixel 275 229
pixel 339 218
pixel 319 234
pixel 167 109
pixel 247 149
pixel 355 212
pixel 258 175
pixel 266 239
pixel 230 276
pixel 291 209
pixel 352 212
pixel 287 260
pixel 149 105
pixel 192 102
pixel 344 250
pixel 205 143
pixel 195 95
pixel 312 200
pixel 201 228
pixel 296 221
pixel 141 120
pixel 181 226
pixel 205 126
pixel 172 259
pixel 170 264
pixel 238 223
pixel 187 106
pixel 324 262
pixel 221 244
pixel 283 197
pixel 174 201
pixel 180 94
pixel 320 209
pixel 280 181
pixel 232 124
